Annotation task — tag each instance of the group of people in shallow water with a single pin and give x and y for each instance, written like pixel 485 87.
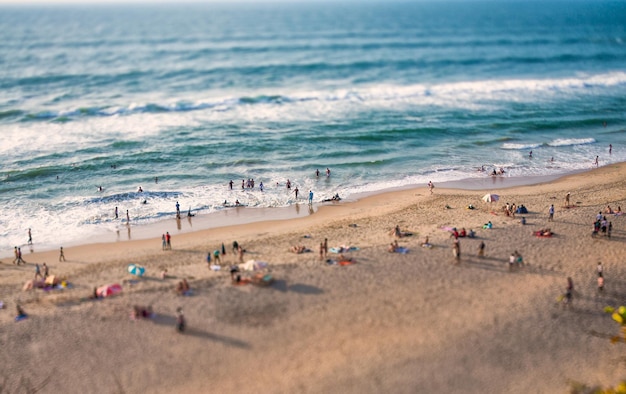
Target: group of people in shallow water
pixel 499 171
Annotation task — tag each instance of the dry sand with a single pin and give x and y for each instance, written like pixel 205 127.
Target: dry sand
pixel 419 322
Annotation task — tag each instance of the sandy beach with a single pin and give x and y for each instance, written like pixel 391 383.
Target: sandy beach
pixel 419 322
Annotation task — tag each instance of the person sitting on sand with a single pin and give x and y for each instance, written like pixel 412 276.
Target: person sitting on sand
pixel 488 225
pixel 463 233
pixel 522 220
pixel 471 234
pixel 141 312
pixel 182 288
pixel 399 234
pixel 393 247
pixel 20 314
pixel 426 244
pixel 164 273
pixel 608 210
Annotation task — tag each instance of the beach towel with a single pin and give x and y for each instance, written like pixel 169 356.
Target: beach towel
pixel 401 250
pixel 253 265
pixel 216 267
pixel 342 249
pixel 346 262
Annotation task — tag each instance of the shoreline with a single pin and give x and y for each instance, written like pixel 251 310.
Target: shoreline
pixel 243 219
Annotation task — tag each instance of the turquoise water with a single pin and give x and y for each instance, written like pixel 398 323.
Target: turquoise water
pixel 384 94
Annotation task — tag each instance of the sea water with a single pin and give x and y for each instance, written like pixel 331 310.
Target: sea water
pixel 180 100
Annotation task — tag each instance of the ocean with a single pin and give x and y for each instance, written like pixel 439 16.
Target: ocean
pixel 181 99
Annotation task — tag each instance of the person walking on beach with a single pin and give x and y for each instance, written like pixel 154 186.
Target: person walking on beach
pixel 456 249
pixel 15 260
pixel 430 186
pixel 45 270
pixel 325 247
pixel 230 184
pixel 551 213
pixel 512 260
pixel 116 215
pixel 19 257
pixel 481 249
pixel 180 320
pixel 163 242
pixel 216 257
pixel 569 291
pixel 567 200
pixel 596 162
pixel 168 240
pixel 240 252
pixel 296 190
pixel 61 254
pixel 37 271
pixel 127 217
pixel 310 197
pixel 600 272
pixel 30 237
pixel 321 251
pixel 177 209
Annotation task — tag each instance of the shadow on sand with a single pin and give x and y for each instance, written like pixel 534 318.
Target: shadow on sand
pixel 166 320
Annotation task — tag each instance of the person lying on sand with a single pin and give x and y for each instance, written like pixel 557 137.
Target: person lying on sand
pixel 344 258
pixel 298 249
pixel 544 232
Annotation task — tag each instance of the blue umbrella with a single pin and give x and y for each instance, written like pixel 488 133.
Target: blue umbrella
pixel 136 270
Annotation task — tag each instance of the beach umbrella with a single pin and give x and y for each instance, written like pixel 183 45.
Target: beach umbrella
pixel 136 270
pixel 108 290
pixel 490 197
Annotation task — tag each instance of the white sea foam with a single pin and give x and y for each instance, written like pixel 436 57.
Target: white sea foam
pixel 571 141
pixel 520 146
